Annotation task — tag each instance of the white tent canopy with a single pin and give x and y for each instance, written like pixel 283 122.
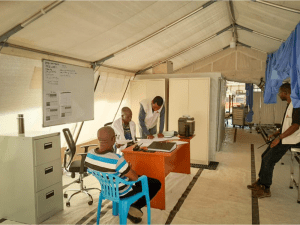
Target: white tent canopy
pixel 142 33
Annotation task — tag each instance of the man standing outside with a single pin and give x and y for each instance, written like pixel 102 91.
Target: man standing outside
pixel 288 136
pixel 148 116
pixel 124 128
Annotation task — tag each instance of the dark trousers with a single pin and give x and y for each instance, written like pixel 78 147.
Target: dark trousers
pixel 154 187
pixel 268 160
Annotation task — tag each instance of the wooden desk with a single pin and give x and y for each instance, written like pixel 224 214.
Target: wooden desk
pixel 158 165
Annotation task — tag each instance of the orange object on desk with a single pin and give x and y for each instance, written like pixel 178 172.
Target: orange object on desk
pixel 159 164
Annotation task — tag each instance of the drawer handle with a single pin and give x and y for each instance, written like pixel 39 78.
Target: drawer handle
pixel 48 145
pixel 49 194
pixel 49 170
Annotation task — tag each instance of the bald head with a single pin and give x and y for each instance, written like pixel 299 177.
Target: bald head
pixel 106 137
pixel 126 115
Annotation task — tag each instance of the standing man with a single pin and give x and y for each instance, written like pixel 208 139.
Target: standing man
pixel 284 139
pixel 104 159
pixel 124 128
pixel 148 115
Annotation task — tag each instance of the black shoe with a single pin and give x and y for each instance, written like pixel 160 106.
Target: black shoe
pixel 134 219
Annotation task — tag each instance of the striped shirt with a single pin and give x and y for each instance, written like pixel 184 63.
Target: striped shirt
pixel 109 162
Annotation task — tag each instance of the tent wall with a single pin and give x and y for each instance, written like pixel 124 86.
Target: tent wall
pixel 21 93
pixel 267 113
pixel 240 64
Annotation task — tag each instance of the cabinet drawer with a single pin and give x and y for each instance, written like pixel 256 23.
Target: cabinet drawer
pixel 49 201
pixel 47 174
pixel 46 150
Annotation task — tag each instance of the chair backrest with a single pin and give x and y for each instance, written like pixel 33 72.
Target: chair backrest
pixel 71 147
pixel 108 124
pixel 109 184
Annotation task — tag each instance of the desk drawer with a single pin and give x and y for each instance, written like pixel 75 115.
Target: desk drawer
pixel 46 149
pixel 49 201
pixel 47 174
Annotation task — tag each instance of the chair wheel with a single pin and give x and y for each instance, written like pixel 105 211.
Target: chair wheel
pixel 68 204
pixel 291 187
pixel 90 202
pixel 65 195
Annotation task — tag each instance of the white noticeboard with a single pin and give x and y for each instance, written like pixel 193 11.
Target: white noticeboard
pixel 68 93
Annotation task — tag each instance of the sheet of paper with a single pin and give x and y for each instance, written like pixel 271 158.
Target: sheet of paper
pixel 65 104
pixel 180 142
pixel 147 142
pixel 172 138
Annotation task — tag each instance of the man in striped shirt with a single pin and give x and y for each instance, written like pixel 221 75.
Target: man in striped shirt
pixel 105 160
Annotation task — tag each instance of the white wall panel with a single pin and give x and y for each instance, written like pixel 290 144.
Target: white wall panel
pixel 256 107
pixel 279 109
pixel 178 101
pixel 199 108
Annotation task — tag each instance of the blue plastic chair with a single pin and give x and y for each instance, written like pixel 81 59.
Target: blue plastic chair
pixel 110 190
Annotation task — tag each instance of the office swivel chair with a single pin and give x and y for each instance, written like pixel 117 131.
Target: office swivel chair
pixel 76 166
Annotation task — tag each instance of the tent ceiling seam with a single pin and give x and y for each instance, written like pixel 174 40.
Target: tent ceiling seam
pixel 259 33
pixel 159 31
pixel 5 44
pixel 198 60
pixel 36 16
pixel 248 46
pixel 233 20
pixel 185 50
pixel 278 6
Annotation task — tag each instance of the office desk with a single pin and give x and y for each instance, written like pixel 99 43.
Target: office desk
pixel 158 165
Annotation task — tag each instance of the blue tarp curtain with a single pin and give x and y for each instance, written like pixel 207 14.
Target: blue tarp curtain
pixel 284 63
pixel 249 101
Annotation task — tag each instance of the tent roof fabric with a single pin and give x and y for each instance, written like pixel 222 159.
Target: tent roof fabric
pixel 93 30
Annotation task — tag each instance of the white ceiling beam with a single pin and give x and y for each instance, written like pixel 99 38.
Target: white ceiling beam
pixel 258 33
pixel 278 6
pixel 222 49
pixel 248 46
pixel 34 17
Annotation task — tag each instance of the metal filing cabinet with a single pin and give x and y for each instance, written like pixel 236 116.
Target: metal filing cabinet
pixel 30 177
pixel 238 116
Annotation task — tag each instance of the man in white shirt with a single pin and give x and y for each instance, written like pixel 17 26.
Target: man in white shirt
pixel 150 110
pixel 124 128
pixel 288 136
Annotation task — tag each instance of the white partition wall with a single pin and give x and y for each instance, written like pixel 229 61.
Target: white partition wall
pixel 142 89
pixel 267 113
pixel 191 96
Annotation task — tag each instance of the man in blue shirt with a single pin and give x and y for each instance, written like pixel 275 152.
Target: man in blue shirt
pixel 104 159
pixel 150 110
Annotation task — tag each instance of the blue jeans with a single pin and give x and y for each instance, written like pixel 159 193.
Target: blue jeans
pixel 268 160
pixel 152 131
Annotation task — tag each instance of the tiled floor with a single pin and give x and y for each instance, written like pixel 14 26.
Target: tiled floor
pixel 218 197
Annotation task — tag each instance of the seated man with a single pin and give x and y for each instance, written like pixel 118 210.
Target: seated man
pixel 124 128
pixel 105 160
pixel 287 137
pixel 150 110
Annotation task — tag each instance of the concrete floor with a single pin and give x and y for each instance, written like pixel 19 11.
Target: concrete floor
pixel 218 197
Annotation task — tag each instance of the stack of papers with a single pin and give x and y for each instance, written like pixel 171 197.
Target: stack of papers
pixel 147 142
